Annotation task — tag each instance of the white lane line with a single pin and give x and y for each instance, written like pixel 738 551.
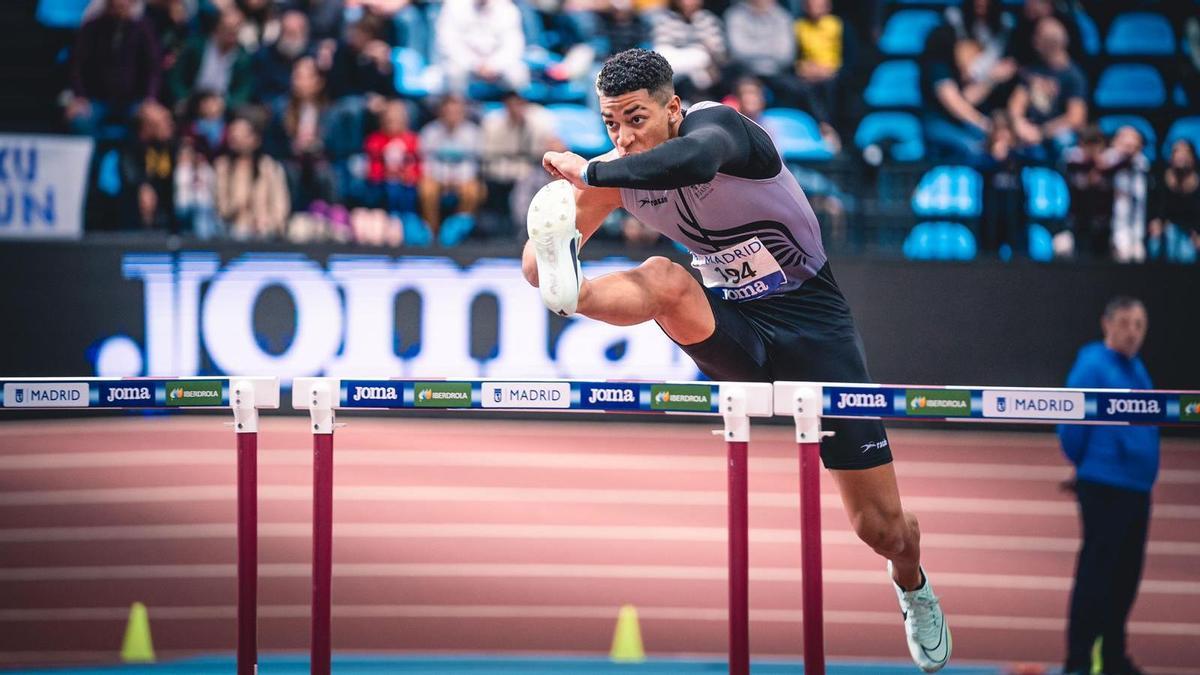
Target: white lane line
pixel 488 531
pixel 553 571
pixel 426 493
pixel 602 612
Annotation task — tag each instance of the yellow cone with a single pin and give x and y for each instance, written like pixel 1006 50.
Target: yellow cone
pixel 1097 658
pixel 137 647
pixel 627 638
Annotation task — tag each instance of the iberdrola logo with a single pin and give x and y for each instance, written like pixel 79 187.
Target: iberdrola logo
pixel 918 402
pixel 1192 408
pixel 175 394
pixel 425 395
pixel 662 397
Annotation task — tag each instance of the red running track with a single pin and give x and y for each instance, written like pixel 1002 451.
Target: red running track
pixel 519 536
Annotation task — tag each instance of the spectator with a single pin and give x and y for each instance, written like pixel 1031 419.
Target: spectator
pixel 251 193
pixel 217 63
pixel 1115 470
pixel 170 19
pixel 195 187
pixel 300 130
pixel 1048 106
pixel 325 17
pixel 622 27
pixel 955 128
pixel 148 167
pixel 273 63
pixel 362 66
pixel 114 68
pixel 750 99
pixel 393 162
pixel 481 41
pixel 451 145
pixel 985 22
pixel 1003 219
pixel 762 44
pixel 820 37
pixel 513 142
pixel 261 25
pixel 1130 173
pixel 1021 44
pixel 1175 227
pixel 1090 185
pixel 692 40
pixel 206 123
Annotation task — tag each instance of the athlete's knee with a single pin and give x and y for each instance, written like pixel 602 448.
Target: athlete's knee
pixel 667 280
pixel 887 533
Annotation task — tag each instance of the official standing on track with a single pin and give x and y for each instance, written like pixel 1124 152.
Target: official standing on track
pixel 1115 469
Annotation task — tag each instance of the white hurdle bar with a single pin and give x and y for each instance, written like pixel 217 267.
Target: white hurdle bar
pixel 735 402
pixel 244 396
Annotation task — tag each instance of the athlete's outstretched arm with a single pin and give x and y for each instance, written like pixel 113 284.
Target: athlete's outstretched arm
pixel 711 140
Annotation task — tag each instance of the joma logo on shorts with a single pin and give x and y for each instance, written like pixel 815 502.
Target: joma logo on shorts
pixel 611 396
pixel 861 401
pixel 652 202
pixel 1133 406
pixel 128 394
pixel 374 394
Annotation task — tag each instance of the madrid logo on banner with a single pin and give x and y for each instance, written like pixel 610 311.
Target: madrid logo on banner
pixel 43 181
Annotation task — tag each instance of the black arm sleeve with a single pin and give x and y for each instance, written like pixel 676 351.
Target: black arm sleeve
pixel 711 140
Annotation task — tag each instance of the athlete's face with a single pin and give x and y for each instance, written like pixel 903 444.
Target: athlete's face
pixel 637 121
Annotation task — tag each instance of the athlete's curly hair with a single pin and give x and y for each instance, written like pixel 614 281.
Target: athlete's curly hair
pixel 635 69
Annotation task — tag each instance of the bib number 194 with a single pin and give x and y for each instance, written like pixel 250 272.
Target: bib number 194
pixel 734 275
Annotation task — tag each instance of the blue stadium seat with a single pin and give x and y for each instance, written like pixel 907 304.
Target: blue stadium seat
pixel 1046 194
pixel 1089 34
pixel 61 13
pixel 1130 85
pixel 904 33
pixel 1110 123
pixel 1184 127
pixel 580 129
pixel 940 241
pixel 1041 243
pixel 948 191
pixel 796 135
pixel 903 129
pixel 408 73
pixel 894 84
pixel 1140 34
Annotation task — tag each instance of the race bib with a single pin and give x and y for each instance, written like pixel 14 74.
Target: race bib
pixel 747 271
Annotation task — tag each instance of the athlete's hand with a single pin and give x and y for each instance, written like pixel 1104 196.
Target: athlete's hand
pixel 565 165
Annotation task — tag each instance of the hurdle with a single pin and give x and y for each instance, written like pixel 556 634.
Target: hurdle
pixel 245 396
pixel 808 402
pixel 735 402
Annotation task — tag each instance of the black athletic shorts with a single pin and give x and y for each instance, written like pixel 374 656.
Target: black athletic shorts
pixel 802 335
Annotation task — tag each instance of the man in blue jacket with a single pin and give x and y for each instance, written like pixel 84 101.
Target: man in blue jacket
pixel 1115 468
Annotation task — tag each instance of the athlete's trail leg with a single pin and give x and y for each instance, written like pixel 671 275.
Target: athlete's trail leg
pixel 659 290
pixel 872 501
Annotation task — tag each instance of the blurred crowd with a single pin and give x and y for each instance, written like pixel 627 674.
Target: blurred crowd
pixel 287 119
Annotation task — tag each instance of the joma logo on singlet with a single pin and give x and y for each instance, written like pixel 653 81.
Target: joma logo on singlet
pixel 861 401
pixel 652 202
